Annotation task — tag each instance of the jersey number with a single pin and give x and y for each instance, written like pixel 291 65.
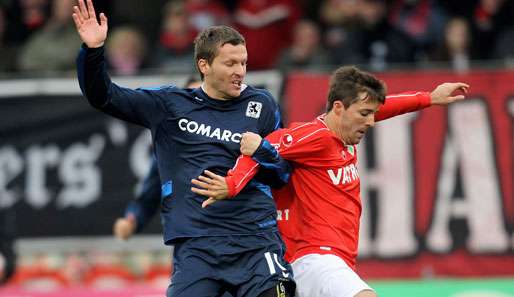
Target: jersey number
pixel 272 262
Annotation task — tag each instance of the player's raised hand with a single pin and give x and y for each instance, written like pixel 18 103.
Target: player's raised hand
pixel 447 93
pixel 250 143
pixel 210 185
pixel 92 33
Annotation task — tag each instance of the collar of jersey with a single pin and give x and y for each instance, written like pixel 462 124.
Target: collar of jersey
pixel 200 92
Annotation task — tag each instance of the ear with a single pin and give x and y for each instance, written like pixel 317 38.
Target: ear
pixel 203 66
pixel 338 107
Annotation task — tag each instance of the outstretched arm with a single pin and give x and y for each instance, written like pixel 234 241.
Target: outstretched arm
pixel 398 104
pixel 139 106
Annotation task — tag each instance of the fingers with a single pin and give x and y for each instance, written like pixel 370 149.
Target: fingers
pixel 91 9
pixel 208 202
pixel 457 98
pixel 83 10
pixel 460 86
pixel 103 20
pixel 201 184
pixel 77 21
pixel 78 14
pixel 214 175
pixel 202 192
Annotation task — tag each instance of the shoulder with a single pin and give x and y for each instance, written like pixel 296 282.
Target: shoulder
pixel 168 91
pixel 316 127
pixel 263 95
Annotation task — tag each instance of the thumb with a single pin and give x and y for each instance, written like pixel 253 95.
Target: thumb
pixel 208 202
pixel 457 98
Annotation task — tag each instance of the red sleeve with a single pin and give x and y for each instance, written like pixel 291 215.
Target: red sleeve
pixel 245 169
pixel 403 103
pixel 300 145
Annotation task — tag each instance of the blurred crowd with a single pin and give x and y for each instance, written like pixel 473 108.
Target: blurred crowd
pixel 37 36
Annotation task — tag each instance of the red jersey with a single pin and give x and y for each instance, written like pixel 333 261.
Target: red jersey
pixel 319 209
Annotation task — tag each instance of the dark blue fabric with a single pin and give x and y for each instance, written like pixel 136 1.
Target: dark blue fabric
pixel 269 159
pixel 208 266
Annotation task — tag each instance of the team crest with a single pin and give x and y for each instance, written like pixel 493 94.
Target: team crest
pixel 253 110
pixel 287 139
pixel 351 150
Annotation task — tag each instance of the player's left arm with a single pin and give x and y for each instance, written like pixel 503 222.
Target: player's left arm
pixel 402 103
pixel 274 174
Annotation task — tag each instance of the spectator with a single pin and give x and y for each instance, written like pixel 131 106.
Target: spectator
pixel 456 47
pixel 340 19
pixel 505 47
pixel 267 26
pixel 306 52
pixel 490 17
pixel 422 20
pixel 175 47
pixel 126 51
pixel 372 40
pixel 335 13
pixel 53 48
pixel 27 16
pixel 206 13
pixel 144 15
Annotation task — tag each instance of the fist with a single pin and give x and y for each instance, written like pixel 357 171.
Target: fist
pixel 249 143
pixel 124 227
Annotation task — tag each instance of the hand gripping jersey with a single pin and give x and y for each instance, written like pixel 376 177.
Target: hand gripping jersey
pixel 191 132
pixel 320 208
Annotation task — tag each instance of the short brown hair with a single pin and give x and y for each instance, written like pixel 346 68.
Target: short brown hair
pixel 211 39
pixel 348 81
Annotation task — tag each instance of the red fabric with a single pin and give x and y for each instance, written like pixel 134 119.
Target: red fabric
pixel 320 207
pixel 264 44
pixel 178 43
pixel 214 8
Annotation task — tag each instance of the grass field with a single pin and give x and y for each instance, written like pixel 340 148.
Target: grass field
pixel 497 287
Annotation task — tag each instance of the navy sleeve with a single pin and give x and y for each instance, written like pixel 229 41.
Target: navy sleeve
pixel 274 171
pixel 140 106
pixel 147 201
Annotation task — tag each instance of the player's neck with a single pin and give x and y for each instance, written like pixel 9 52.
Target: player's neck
pixel 332 123
pixel 213 93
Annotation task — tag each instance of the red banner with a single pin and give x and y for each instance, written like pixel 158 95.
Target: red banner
pixel 437 185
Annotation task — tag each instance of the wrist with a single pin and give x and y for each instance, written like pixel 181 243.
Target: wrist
pixel 95 45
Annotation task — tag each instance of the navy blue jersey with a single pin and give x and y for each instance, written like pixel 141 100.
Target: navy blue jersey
pixel 147 200
pixel 191 132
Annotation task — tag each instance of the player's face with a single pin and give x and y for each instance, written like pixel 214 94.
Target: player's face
pixel 225 75
pixel 357 119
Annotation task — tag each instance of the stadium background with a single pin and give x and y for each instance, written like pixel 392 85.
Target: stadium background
pixel 437 185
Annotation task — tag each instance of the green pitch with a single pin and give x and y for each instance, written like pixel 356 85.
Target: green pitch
pixel 498 287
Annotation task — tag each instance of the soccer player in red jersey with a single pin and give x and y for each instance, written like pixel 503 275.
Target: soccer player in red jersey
pixel 322 199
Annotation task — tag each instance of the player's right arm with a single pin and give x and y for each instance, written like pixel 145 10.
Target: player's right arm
pixel 137 106
pixel 140 211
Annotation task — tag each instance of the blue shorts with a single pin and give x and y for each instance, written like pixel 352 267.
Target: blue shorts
pixel 243 265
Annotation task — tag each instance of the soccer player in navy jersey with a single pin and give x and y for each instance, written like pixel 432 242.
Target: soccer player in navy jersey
pixel 233 246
